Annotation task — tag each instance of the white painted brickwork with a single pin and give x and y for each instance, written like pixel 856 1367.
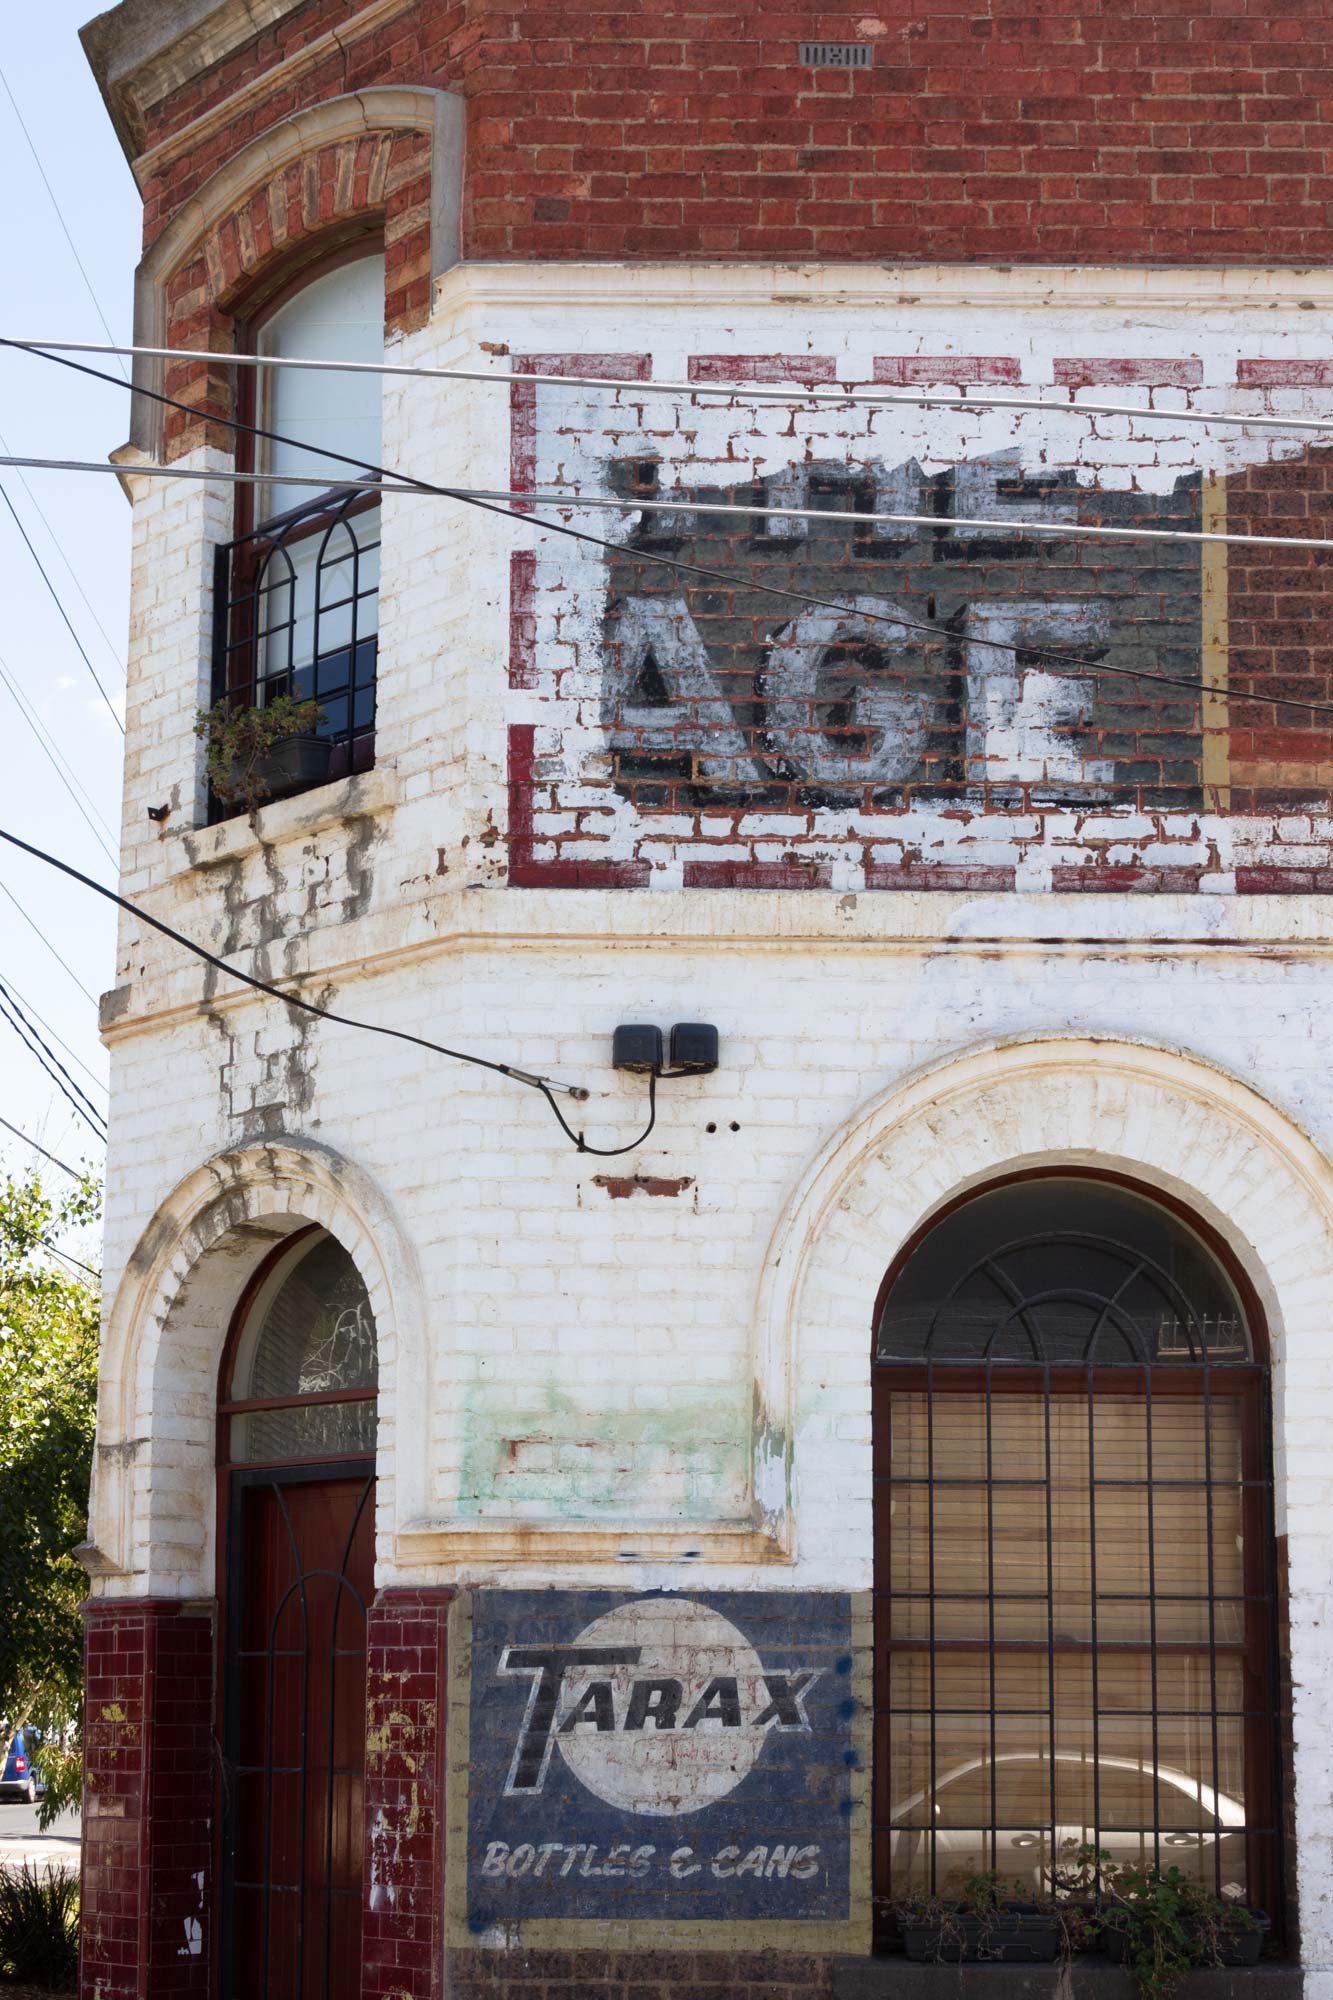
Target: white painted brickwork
pixel 593 1383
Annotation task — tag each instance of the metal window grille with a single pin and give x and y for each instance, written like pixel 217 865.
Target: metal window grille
pixel 296 613
pixel 1074 1593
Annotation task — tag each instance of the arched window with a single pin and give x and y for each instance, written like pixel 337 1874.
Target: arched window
pixel 297 1517
pixel 298 592
pixel 1074 1605
pixel 306 1368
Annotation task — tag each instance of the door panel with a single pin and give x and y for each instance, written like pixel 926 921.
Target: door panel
pixel 300 1577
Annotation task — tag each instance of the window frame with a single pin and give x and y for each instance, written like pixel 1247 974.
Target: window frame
pixel 257 538
pixel 1264 1740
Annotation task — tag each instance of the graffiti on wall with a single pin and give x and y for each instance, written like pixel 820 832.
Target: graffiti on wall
pixel 658 1761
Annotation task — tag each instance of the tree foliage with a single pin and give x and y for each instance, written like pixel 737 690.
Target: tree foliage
pixel 48 1384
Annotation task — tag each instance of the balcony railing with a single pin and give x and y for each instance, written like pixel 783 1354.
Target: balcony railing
pixel 296 612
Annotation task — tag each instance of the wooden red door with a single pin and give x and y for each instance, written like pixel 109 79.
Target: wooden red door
pixel 300 1577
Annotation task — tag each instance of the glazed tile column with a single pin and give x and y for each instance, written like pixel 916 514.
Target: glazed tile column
pixel 148 1801
pixel 402 1944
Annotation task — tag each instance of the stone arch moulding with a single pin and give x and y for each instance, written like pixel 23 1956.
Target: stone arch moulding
pixel 151 1527
pixel 440 115
pixel 1170 1121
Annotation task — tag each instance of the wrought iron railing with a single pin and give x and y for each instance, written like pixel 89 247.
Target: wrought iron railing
pixel 296 613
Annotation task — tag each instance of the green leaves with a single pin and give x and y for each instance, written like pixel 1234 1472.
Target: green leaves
pixel 237 740
pixel 48 1388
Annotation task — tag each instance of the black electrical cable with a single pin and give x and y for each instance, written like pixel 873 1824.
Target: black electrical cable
pixel 67 1259
pixel 34 1049
pixel 65 774
pixel 44 939
pixel 10 998
pixel 324 1013
pixel 71 1171
pixel 42 1022
pixel 1045 655
pixel 56 600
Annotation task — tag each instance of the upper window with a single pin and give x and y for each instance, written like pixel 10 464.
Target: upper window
pixel 1075 1619
pixel 297 595
pixel 337 317
pixel 306 1368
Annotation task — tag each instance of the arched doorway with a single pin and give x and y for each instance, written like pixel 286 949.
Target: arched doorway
pixel 296 1455
pixel 1074 1584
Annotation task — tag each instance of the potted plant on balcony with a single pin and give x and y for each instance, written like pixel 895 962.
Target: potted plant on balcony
pixel 254 754
pixel 983 1925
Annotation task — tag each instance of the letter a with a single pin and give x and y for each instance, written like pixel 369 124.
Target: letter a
pixel 720 1702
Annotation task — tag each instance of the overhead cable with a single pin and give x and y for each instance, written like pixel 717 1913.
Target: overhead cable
pixel 70 570
pixel 59 605
pixel 10 999
pixel 54 1069
pixel 409 480
pixel 545 1084
pixel 35 927
pixel 60 218
pixel 402 482
pixel 874 398
pixel 73 1172
pixel 57 760
pixel 92 1076
pixel 65 1258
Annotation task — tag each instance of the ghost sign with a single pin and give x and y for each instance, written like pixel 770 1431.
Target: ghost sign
pixel 689 1764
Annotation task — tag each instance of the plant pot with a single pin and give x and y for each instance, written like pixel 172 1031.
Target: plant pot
pixel 1010 1937
pixel 294 765
pixel 1232 1947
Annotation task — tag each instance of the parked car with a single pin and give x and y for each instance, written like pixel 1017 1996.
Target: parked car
pixel 18 1779
pixel 953 1818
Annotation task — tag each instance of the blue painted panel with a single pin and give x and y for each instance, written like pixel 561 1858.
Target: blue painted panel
pixel 662 1758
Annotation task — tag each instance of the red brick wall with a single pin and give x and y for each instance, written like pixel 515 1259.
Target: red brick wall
pixel 1280 625
pixel 1091 132
pixel 402 1942
pixel 148 1777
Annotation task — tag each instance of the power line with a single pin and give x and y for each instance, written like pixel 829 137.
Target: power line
pixel 56 600
pixel 71 1053
pixel 545 1084
pixel 876 398
pixel 65 1258
pixel 73 1172
pixel 56 759
pixel 32 925
pixel 715 575
pixel 54 1069
pixel 1054 530
pixel 9 998
pixel 73 250
pixel 70 570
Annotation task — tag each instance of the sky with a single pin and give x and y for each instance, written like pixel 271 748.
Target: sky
pixel 79 525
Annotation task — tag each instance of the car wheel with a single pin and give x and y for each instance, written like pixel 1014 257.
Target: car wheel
pixel 32 1791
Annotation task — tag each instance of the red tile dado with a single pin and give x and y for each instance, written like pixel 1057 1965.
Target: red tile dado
pixel 402 1933
pixel 148 1795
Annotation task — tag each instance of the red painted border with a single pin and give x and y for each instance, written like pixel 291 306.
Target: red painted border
pixel 905 370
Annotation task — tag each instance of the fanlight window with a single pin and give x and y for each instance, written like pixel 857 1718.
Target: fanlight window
pixel 1063 1271
pixel 307 1369
pixel 1074 1605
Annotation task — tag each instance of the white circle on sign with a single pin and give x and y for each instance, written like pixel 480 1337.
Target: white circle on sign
pixel 712 1741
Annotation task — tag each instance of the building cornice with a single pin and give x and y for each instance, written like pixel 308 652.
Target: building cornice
pixel 1142 289
pixel 482 921
pixel 142 50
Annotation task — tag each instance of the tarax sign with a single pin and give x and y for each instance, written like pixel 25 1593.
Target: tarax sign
pixel 663 1760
